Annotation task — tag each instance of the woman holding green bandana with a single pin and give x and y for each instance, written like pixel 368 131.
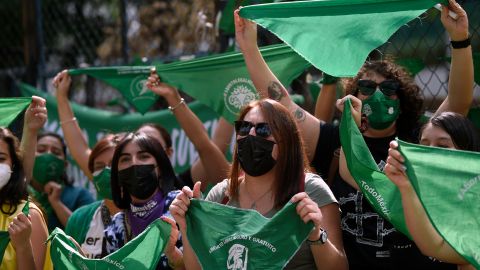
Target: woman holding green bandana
pixel 23 230
pixel 392 106
pixel 269 170
pixel 143 186
pixel 99 227
pixel 50 184
pixel 446 130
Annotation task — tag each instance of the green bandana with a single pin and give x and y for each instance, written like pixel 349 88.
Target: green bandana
pixel 226 94
pixel 102 184
pixel 48 167
pixel 447 183
pixel 130 81
pixel 142 252
pixel 224 237
pixel 5 237
pixel 380 192
pixel 10 108
pixel 380 110
pixel 342 27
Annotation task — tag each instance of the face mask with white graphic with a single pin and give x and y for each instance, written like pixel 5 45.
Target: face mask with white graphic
pixel 5 173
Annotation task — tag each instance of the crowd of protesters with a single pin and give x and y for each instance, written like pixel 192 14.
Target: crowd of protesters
pixel 282 154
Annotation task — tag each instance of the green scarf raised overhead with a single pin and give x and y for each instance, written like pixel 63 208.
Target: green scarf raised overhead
pixel 336 36
pixel 221 82
pixel 380 192
pixel 130 81
pixel 10 108
pixel 142 252
pixel 5 237
pixel 225 237
pixel 447 183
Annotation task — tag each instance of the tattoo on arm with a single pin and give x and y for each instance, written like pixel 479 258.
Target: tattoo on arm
pixel 276 91
pixel 299 114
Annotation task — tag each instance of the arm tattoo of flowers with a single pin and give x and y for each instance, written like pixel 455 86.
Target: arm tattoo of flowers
pixel 276 91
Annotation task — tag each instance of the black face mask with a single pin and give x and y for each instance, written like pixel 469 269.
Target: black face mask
pixel 140 181
pixel 255 155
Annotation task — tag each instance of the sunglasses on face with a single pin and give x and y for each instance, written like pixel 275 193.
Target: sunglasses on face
pixel 388 87
pixel 243 128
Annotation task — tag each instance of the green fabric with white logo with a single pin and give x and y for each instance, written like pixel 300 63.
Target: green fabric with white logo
pixel 380 192
pixel 5 237
pixel 447 183
pixel 130 81
pixel 142 252
pixel 336 36
pixel 225 237
pixel 79 222
pixel 10 108
pixel 95 123
pixel 221 82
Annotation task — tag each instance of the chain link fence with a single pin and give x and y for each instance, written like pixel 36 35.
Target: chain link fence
pixel 423 48
pixel 41 37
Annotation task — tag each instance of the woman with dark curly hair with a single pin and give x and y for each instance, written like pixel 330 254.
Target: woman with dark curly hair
pixel 395 77
pixel 390 103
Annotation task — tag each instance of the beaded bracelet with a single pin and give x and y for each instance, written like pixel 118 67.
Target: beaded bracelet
pixel 68 121
pixel 182 101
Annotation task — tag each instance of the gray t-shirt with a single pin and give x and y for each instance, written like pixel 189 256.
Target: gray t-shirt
pixel 316 189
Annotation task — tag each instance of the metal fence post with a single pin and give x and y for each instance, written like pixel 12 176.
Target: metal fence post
pixel 124 31
pixel 40 43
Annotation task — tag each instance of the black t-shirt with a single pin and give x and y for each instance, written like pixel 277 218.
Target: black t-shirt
pixel 370 241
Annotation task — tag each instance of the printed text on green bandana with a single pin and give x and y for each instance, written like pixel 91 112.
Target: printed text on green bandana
pixel 225 237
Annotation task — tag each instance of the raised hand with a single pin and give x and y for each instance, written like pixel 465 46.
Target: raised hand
pixel 160 88
pixel 395 170
pixel 356 107
pixel 62 82
pixel 179 206
pixel 245 32
pixel 456 28
pixel 36 114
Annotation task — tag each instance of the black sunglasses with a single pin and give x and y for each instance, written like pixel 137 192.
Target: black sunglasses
pixel 388 87
pixel 243 128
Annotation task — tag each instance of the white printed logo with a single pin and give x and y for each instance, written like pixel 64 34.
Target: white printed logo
pixel 237 257
pixel 366 109
pixel 139 90
pixel 238 93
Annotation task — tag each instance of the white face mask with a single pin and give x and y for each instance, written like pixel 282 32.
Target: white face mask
pixel 5 173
